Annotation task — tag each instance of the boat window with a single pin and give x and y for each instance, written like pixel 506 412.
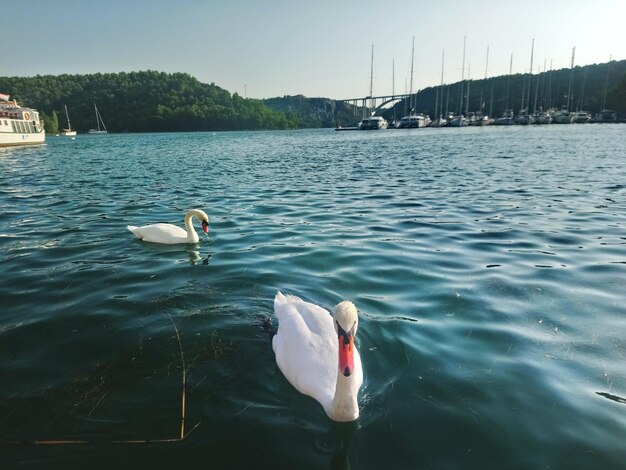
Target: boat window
pixel 34 128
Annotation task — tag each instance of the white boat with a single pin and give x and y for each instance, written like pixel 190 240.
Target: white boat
pixel 524 118
pixel 373 123
pixel 68 132
pixel 479 119
pixel 99 130
pixel 506 119
pixel 458 120
pixel 581 117
pixel 413 121
pixel 18 125
pixel 562 116
pixel 544 117
pixel 440 122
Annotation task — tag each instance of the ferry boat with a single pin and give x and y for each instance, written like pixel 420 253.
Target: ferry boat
pixel 18 125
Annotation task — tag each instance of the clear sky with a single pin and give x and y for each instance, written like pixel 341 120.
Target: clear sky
pixel 315 48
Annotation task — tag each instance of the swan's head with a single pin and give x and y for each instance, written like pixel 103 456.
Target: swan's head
pixel 346 321
pixel 200 214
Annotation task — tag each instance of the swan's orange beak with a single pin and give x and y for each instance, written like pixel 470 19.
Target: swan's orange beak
pixel 346 354
pixel 205 226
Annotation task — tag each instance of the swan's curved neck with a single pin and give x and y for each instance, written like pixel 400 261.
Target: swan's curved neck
pixel 345 406
pixel 192 236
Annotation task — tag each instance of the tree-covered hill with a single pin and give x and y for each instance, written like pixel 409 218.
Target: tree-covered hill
pixel 142 101
pixel 547 89
pixel 314 112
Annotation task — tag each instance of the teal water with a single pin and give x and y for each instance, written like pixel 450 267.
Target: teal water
pixel 488 267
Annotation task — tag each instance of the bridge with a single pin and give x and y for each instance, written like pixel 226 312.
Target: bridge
pixel 386 101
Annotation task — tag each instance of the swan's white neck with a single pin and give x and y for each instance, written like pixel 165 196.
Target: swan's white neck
pixel 192 236
pixel 344 406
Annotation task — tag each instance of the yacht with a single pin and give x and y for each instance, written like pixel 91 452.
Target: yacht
pixel 581 117
pixel 458 120
pixel 479 119
pixel 373 123
pixel 19 126
pixel 506 119
pixel 563 116
pixel 524 118
pixel 606 115
pixel 439 122
pixel 413 121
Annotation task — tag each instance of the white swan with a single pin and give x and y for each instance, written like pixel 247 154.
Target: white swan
pixel 171 234
pixel 316 353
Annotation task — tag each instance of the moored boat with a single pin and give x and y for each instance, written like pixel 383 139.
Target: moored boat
pixel 562 116
pixel 458 120
pixel 373 123
pixel 19 125
pixel 506 119
pixel 99 130
pixel 68 132
pixel 413 121
pixel 581 117
pixel 606 115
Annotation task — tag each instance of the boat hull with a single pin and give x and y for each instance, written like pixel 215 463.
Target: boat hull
pixel 13 139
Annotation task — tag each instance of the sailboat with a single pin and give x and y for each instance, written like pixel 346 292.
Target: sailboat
pixel 413 119
pixel 68 132
pixel 372 122
pixel 99 130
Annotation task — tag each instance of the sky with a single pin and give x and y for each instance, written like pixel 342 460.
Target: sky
pixel 322 48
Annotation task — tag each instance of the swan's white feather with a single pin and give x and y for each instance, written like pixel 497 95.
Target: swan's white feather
pixel 306 348
pixel 170 234
pixel 160 233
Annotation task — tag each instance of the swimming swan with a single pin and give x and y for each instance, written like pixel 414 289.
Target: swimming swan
pixel 316 353
pixel 171 234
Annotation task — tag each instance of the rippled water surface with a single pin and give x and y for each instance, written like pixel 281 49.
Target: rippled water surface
pixel 488 267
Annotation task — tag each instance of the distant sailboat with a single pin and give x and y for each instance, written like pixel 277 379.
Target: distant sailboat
pixel 68 132
pixel 99 130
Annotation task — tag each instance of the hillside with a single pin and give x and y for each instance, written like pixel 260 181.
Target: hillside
pixel 550 88
pixel 141 102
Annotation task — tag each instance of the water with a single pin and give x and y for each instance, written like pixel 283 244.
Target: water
pixel 488 266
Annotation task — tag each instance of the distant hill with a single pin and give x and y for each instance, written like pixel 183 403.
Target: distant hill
pixel 314 112
pixel 141 102
pixel 588 85
pixel 547 89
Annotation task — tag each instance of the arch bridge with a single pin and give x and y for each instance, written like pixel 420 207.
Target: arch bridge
pixel 386 101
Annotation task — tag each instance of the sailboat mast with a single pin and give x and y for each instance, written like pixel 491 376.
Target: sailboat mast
pixel 372 81
pixel 508 87
pixel 393 85
pixel 606 82
pixel 462 78
pixel 443 53
pixel 69 126
pixel 482 103
pixel 530 77
pixel 571 74
pixel 411 81
pixel 469 78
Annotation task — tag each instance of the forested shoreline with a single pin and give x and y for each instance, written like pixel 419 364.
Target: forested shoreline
pixel 152 101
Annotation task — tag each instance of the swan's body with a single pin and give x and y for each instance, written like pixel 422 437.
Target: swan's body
pixel 171 234
pixel 310 345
